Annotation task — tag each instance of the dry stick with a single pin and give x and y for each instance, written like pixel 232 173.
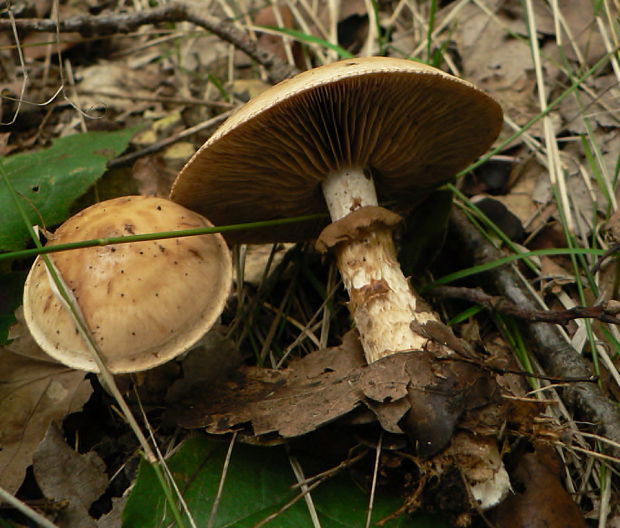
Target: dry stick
pixel 26 510
pixel 220 487
pixel 166 142
pixel 603 312
pixel 302 482
pixel 160 99
pixel 373 487
pixel 124 23
pixel 551 349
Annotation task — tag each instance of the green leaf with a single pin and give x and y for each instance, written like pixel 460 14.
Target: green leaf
pixel 259 482
pixel 48 181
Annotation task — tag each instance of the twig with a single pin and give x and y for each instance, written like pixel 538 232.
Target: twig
pixel 603 312
pixel 552 350
pixel 26 510
pixel 159 99
pixel 101 25
pixel 610 252
pixel 301 480
pixel 220 487
pixel 502 371
pixel 161 145
pixel 373 488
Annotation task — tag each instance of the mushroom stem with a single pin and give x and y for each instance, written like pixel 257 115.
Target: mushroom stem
pixel 382 302
pixel 383 305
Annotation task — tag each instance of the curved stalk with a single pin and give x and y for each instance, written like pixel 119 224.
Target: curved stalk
pixel 383 303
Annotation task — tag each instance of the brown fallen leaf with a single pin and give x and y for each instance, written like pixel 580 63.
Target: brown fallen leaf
pixel 214 359
pixel 33 394
pixel 107 84
pixel 291 402
pixel 540 500
pixel 278 16
pixel 409 392
pixel 153 175
pixel 69 477
pixel 494 59
pixel 114 518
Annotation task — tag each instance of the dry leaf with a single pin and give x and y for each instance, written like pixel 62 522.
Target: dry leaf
pixel 495 60
pixel 68 477
pixel 113 519
pixel 599 105
pixel 153 176
pixel 291 402
pixel 208 363
pixel 247 89
pixel 256 258
pixel 278 16
pixel 110 84
pixel 519 200
pixel 40 45
pixel 32 395
pixel 409 392
pixel 540 500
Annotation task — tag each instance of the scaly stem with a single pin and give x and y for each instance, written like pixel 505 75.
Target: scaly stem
pixel 383 304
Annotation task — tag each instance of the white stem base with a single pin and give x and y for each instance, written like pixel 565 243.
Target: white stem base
pixel 383 304
pixel 348 190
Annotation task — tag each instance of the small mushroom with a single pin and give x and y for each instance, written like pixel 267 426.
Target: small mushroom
pixel 144 302
pixel 342 137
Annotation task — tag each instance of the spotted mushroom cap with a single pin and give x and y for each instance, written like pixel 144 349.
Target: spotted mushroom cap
pixel 412 126
pixel 144 302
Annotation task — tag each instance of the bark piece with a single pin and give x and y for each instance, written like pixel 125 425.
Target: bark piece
pixel 69 477
pixel 409 392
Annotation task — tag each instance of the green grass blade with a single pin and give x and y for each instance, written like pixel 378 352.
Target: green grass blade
pixel 300 36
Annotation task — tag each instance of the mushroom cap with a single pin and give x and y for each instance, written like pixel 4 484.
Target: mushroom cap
pixel 144 302
pixel 413 126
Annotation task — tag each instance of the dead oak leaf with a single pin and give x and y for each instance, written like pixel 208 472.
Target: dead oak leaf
pixel 411 392
pixel 320 388
pixel 33 393
pixel 69 477
pixel 539 500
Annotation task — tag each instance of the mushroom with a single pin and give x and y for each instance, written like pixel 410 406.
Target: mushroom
pixel 144 302
pixel 343 137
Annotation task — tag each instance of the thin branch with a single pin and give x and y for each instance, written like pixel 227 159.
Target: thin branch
pixel 556 355
pixel 605 312
pixel 101 25
pixel 26 510
pixel 166 142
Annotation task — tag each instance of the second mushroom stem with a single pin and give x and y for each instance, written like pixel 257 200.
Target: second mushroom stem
pixel 382 302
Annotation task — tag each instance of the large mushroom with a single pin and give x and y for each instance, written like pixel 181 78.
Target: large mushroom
pixel 343 137
pixel 144 302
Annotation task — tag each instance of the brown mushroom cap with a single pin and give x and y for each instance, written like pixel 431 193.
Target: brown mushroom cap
pixel 412 125
pixel 144 302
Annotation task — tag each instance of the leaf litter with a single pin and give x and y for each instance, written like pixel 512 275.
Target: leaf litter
pixel 67 477
pixel 33 395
